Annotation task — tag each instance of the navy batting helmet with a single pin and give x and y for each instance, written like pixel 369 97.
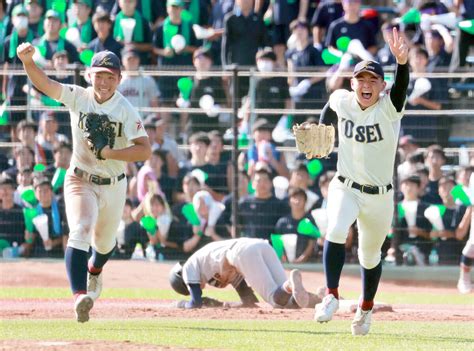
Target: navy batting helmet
pixel 176 279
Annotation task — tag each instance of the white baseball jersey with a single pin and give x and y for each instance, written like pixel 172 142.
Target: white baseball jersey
pixel 367 138
pixel 122 115
pixel 209 265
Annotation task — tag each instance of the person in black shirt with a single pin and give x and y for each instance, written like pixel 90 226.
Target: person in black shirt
pixel 270 92
pixel 244 34
pixel 289 225
pixel 259 213
pixel 12 223
pixel 326 13
pixel 205 86
pixel 104 41
pixel 306 92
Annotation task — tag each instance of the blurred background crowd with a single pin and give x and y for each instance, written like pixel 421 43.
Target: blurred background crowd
pixel 291 54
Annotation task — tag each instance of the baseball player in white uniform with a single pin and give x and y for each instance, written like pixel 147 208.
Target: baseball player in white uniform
pixel 238 262
pixel 95 185
pixel 368 122
pixel 464 283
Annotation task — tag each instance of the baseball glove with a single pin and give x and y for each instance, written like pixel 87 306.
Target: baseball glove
pixel 99 133
pixel 314 140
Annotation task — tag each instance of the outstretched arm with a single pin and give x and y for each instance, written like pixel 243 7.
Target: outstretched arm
pixel 328 116
pixel 399 49
pixel 39 79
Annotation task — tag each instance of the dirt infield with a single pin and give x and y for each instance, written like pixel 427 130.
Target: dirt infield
pixel 139 274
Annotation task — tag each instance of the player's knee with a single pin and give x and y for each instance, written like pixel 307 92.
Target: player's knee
pixel 337 234
pixel 369 260
pixel 104 245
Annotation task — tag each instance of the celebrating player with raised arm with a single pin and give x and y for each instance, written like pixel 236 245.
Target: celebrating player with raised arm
pixel 368 125
pixel 107 133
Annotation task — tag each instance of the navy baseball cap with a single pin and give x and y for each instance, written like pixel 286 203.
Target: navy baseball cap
pixel 105 61
pixel 371 67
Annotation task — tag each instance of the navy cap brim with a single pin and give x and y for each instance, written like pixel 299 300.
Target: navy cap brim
pixel 367 71
pixel 104 69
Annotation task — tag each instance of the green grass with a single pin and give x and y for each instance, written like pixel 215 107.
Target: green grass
pixel 229 295
pixel 249 335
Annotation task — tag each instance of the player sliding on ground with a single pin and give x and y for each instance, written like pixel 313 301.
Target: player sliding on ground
pixel 368 123
pixel 107 133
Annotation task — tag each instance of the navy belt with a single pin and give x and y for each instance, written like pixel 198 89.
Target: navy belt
pixel 367 189
pixel 96 179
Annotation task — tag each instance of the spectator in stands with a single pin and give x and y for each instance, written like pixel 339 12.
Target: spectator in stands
pixel 11 216
pixel 221 160
pixel 105 40
pixel 140 37
pixel 48 137
pixel 244 34
pixel 209 212
pixel 182 231
pixel 456 220
pixel 204 85
pixel 23 157
pixel 411 164
pixel 439 45
pixel 105 5
pixel 161 140
pixel 169 54
pixel 243 190
pixel 384 55
pixel 300 179
pixel 259 213
pixel 58 230
pixel 24 179
pixel 153 205
pixel 140 90
pixel 62 158
pixel 147 180
pixel 14 83
pixel 407 146
pixel 219 10
pixel 130 232
pixel 270 92
pixel 413 230
pixel 82 9
pixel 281 13
pixel 35 16
pixel 289 225
pixel 435 159
pixel 465 40
pixel 207 173
pixel 306 92
pixel 352 26
pixel 326 13
pixel 26 132
pixel 430 99
pixel 52 42
pixel 6 23
pixel 264 150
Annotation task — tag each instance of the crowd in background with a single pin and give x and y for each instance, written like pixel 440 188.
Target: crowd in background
pixel 187 193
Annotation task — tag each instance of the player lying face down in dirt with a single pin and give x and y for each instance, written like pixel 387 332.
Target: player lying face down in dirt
pixel 238 262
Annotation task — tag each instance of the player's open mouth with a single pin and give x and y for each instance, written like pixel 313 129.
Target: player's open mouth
pixel 367 95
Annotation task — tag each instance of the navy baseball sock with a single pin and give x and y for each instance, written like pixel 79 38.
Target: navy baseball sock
pixel 370 283
pixel 98 260
pixel 466 261
pixel 334 256
pixel 76 267
pixel 281 296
